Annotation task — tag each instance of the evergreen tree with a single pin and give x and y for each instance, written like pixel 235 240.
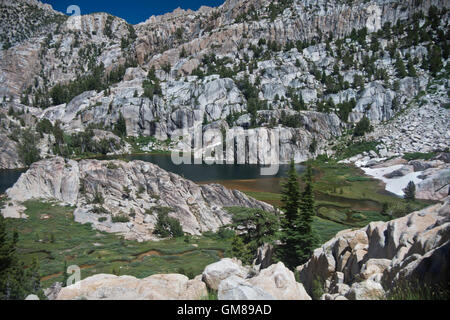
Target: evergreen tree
pixel 435 60
pixel 400 67
pixel 240 250
pixel 298 237
pixel 307 240
pixel 362 127
pixel 291 203
pixel 120 128
pixel 411 69
pixel 410 191
pixel 16 283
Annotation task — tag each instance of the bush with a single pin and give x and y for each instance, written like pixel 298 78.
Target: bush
pixel 27 150
pixel 120 219
pixel 362 127
pixel 418 155
pixel 167 226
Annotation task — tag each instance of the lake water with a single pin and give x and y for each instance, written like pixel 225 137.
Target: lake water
pixel 202 173
pixel 8 178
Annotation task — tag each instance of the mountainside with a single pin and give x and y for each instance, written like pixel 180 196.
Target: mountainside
pixel 308 71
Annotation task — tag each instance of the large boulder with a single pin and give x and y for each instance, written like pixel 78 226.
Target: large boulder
pixel 48 179
pixel 279 282
pixel 263 257
pixel 274 283
pixel 236 288
pixel 156 287
pixel 366 290
pixel 221 270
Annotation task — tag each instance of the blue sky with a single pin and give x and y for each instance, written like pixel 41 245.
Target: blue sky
pixel 134 11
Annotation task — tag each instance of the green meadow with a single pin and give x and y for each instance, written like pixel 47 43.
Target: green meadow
pixel 345 199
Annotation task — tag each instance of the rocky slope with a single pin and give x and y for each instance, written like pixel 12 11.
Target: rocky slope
pixel 311 69
pixel 367 263
pixel 136 191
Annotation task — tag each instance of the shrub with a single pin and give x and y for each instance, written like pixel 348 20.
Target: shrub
pixel 167 226
pixel 362 127
pixel 120 219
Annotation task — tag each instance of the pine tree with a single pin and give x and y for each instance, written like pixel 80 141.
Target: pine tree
pixel 435 60
pixel 120 128
pixel 65 274
pixel 240 250
pixel 307 240
pixel 400 66
pixel 15 282
pixel 291 204
pixel 410 191
pixel 298 237
pixel 411 69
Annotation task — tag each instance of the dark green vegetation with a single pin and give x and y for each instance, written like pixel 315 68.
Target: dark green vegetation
pixel 419 156
pixel 410 191
pixel 261 227
pixel 51 235
pixel 98 80
pixel 16 282
pixel 415 290
pixel 167 226
pixel 298 239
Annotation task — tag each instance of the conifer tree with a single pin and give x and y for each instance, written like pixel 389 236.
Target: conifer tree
pixel 307 240
pixel 410 191
pixel 298 238
pixel 290 197
pixel 15 281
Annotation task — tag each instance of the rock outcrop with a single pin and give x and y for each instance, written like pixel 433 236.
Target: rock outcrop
pixel 366 263
pixel 156 287
pixel 135 191
pixel 215 273
pixel 236 282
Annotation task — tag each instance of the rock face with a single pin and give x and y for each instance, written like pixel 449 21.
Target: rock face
pixel 156 287
pixel 364 263
pixel 274 283
pixel 263 257
pixel 279 282
pixel 9 158
pixel 225 268
pixel 38 53
pixel 136 190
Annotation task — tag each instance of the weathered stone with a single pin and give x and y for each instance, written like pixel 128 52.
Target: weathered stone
pixel 225 268
pixel 156 287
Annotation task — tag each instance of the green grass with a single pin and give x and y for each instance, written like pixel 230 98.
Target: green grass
pixel 414 290
pixel 419 156
pixel 51 235
pixel 351 149
pixel 327 229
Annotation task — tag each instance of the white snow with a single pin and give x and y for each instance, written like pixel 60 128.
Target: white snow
pixel 394 185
